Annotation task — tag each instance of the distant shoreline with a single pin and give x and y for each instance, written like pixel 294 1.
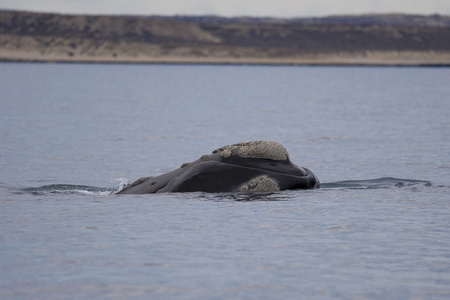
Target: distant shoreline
pixel 366 40
pixel 375 59
pixel 221 63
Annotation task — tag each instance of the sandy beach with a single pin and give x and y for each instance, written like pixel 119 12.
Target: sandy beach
pixel 385 58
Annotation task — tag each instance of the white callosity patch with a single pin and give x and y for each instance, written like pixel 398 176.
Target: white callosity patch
pixel 260 184
pixel 256 149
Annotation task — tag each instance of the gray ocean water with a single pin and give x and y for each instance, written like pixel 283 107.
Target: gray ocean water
pixel 378 138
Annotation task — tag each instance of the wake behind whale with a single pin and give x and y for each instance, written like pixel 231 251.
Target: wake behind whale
pixel 67 189
pixel 366 184
pixel 379 183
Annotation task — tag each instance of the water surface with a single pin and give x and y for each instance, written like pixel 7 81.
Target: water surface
pixel 73 134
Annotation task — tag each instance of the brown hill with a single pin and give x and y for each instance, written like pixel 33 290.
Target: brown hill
pixel 372 39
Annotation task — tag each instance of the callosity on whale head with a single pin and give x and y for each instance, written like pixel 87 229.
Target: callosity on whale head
pixel 257 166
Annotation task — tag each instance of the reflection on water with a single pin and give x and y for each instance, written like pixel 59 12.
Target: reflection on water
pixel 267 196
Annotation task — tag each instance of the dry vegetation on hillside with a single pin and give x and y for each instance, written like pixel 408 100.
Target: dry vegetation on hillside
pixel 390 39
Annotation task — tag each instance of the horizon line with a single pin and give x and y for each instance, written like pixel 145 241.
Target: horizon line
pixel 226 16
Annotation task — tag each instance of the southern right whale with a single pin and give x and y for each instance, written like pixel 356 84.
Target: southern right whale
pixel 257 166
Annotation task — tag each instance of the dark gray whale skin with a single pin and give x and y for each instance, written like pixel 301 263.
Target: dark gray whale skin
pixel 228 173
